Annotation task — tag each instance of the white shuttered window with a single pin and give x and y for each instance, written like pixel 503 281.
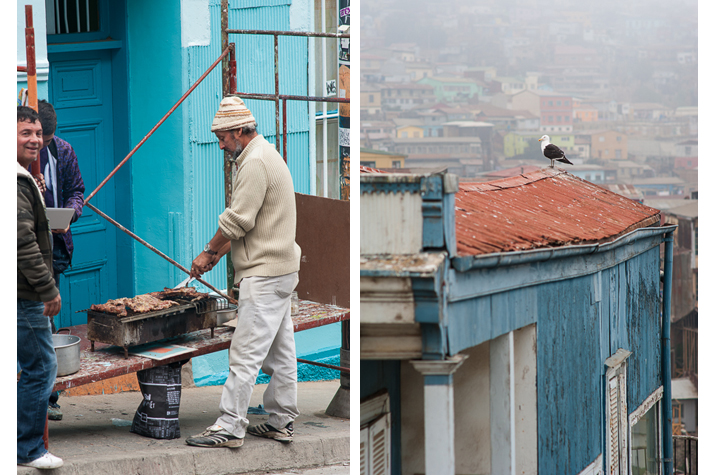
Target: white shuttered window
pixel 375 437
pixel 616 414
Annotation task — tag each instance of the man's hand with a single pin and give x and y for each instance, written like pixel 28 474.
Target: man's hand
pixel 61 231
pixel 40 182
pixel 203 263
pixel 53 307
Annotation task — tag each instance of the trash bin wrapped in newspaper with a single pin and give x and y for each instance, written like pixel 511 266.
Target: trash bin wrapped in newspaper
pixel 157 415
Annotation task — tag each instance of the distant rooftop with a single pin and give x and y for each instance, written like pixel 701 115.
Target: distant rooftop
pixel 686 209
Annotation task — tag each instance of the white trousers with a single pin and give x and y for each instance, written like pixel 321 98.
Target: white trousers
pixel 263 339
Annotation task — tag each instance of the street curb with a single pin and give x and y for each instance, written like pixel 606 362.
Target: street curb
pixel 256 455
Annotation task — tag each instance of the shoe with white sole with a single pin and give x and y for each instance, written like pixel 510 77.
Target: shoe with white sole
pixel 271 432
pixel 46 461
pixel 215 436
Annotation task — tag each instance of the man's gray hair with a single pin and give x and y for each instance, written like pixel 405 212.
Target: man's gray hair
pixel 249 129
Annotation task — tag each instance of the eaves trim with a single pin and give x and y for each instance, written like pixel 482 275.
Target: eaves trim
pixel 502 259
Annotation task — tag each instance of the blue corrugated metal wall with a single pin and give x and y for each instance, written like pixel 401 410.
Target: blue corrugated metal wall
pixel 255 74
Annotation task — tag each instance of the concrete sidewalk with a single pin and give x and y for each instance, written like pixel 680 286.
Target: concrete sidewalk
pixel 94 437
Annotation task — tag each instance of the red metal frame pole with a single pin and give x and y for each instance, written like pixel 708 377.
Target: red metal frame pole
pixel 31 70
pixel 172 109
pixel 232 70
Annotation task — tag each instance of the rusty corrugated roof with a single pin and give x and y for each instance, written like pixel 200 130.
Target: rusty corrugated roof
pixel 371 170
pixel 545 208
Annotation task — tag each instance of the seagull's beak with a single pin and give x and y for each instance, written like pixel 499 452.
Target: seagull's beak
pixel 539 140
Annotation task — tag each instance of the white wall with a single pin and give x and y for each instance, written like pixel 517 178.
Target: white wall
pixel 39 24
pixel 471 409
pixel 526 400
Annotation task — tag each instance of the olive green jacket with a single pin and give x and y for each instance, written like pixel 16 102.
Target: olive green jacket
pixel 35 280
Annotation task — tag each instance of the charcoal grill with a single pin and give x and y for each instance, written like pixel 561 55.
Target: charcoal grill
pixel 153 326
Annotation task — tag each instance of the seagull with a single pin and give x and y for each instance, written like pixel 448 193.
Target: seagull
pixel 552 151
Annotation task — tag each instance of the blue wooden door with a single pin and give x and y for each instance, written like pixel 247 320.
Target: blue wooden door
pixel 80 90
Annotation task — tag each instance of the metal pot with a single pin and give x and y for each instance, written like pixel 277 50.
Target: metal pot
pixel 225 315
pixel 67 349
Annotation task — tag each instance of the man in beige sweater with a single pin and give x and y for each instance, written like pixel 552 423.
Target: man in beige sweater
pixel 260 229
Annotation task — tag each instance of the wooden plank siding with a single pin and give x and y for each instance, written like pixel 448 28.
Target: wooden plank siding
pixel 569 377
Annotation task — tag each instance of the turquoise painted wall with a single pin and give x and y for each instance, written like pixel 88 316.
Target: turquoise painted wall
pixel 158 187
pixel 203 162
pixel 255 74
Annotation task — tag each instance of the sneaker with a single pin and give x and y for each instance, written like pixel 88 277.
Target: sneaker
pixel 271 432
pixel 215 436
pixel 54 413
pixel 44 462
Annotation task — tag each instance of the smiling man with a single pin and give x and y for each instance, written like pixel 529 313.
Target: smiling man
pixel 38 300
pixel 260 229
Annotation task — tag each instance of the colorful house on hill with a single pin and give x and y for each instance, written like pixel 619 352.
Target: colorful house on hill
pixel 453 89
pixel 114 76
pixel 527 143
pixel 514 326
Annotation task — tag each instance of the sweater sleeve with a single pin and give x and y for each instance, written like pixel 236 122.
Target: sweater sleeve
pixel 29 256
pixel 247 199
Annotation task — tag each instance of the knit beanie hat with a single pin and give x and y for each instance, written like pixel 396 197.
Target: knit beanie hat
pixel 232 114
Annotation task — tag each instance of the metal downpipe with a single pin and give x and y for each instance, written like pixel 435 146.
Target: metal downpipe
pixel 666 358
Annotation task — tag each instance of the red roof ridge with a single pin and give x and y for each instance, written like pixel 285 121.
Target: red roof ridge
pixel 513 181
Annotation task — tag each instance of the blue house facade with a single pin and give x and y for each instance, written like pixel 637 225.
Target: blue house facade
pixel 518 328
pixel 112 70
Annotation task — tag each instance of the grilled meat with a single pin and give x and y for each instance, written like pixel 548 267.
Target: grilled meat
pixel 138 304
pixel 185 293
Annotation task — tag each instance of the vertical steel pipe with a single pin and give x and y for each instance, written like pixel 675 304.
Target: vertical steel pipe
pixel 324 129
pixel 66 18
pixel 666 355
pixel 78 17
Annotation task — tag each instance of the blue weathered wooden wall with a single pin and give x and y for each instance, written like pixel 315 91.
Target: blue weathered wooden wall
pixel 581 321
pixel 570 368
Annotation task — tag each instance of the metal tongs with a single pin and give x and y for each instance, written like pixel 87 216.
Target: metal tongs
pixel 184 283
